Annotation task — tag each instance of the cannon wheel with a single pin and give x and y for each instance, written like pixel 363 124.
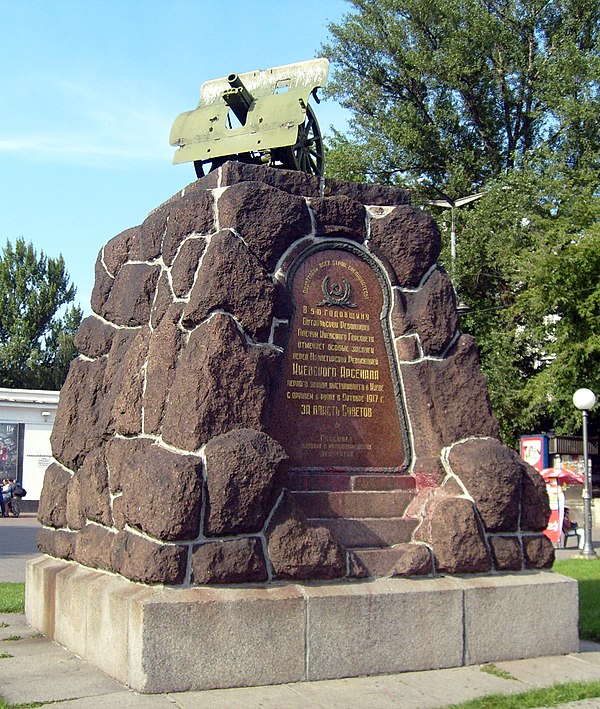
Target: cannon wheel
pixel 307 153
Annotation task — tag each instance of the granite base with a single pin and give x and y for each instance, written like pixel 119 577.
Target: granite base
pixel 159 639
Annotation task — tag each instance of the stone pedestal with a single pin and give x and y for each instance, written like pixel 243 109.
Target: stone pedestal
pixel 158 639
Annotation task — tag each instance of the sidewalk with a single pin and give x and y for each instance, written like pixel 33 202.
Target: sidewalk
pixel 17 545
pixel 42 671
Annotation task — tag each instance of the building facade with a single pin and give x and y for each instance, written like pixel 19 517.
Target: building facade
pixel 26 420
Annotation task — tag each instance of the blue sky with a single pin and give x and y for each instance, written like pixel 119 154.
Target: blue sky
pixel 90 89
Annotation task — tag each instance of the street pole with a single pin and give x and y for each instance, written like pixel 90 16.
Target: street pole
pixel 452 205
pixel 584 400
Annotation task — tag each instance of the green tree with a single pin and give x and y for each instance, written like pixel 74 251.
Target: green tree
pixel 36 341
pixel 459 91
pixel 529 265
pixel 500 96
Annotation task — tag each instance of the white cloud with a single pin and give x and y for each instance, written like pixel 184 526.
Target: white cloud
pixel 88 123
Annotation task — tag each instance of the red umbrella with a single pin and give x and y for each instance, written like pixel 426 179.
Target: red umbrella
pixel 563 476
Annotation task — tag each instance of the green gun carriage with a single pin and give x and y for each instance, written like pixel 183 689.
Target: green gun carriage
pixel 259 117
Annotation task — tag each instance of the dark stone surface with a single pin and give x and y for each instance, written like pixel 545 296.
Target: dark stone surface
pixel 185 265
pixel 147 243
pixel 130 299
pixel 52 510
pixel 116 252
pixel 340 217
pixel 93 482
pixel 299 550
pixel 190 214
pixel 290 181
pixel 432 312
pixel 447 399
pixel 192 374
pixel 94 337
pixel 369 194
pixel 58 543
pixel 535 507
pixel 139 559
pixel 506 553
pixel 539 552
pixel 162 491
pixel 221 383
pixel 491 473
pixel 245 470
pixel 93 546
pixel 162 301
pixel 410 240
pixel 456 538
pixel 103 282
pixel 75 504
pixel 163 353
pixel 237 561
pixel 414 560
pixel 80 424
pixel 408 349
pixel 127 409
pixel 267 219
pixel 236 283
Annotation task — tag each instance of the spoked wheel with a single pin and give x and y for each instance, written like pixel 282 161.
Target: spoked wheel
pixel 307 153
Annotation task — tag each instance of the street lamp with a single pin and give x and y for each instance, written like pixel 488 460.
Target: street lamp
pixel 584 400
pixel 452 205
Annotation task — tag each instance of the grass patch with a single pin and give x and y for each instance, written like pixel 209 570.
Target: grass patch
pixel 13 637
pixel 491 669
pixel 587 573
pixel 5 655
pixel 546 697
pixel 12 598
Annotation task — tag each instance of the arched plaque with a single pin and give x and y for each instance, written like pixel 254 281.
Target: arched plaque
pixel 338 404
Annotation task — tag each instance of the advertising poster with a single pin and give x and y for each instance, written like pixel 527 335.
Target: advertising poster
pixel 557 511
pixel 534 450
pixel 9 450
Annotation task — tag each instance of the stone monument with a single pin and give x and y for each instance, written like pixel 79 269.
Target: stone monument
pixel 276 445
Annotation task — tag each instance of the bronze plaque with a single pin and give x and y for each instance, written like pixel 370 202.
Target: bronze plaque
pixel 338 404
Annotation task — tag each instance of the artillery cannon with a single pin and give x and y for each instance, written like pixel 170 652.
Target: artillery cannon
pixel 259 117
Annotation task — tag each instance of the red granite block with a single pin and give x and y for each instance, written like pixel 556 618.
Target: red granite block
pixel 383 482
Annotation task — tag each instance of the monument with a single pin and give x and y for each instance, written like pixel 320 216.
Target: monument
pixel 276 451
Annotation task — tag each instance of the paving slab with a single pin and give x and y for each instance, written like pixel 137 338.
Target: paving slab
pixel 125 699
pixel 274 697
pixel 564 668
pixel 460 684
pixel 55 674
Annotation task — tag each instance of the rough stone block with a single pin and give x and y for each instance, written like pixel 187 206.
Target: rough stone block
pixel 107 631
pixel 391 625
pixel 39 593
pixel 71 607
pixel 207 639
pixel 519 615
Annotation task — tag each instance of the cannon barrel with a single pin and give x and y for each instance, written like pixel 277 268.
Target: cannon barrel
pixel 238 98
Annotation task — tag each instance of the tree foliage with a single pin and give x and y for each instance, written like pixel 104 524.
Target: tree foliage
pixel 460 90
pixel 36 343
pixel 501 96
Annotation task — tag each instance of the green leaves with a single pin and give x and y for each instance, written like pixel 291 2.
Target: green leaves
pixel 461 90
pixel 501 96
pixel 36 344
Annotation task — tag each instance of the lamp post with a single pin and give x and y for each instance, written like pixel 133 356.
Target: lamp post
pixel 584 400
pixel 452 205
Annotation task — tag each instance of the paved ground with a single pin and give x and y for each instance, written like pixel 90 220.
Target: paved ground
pixel 41 671
pixel 17 545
